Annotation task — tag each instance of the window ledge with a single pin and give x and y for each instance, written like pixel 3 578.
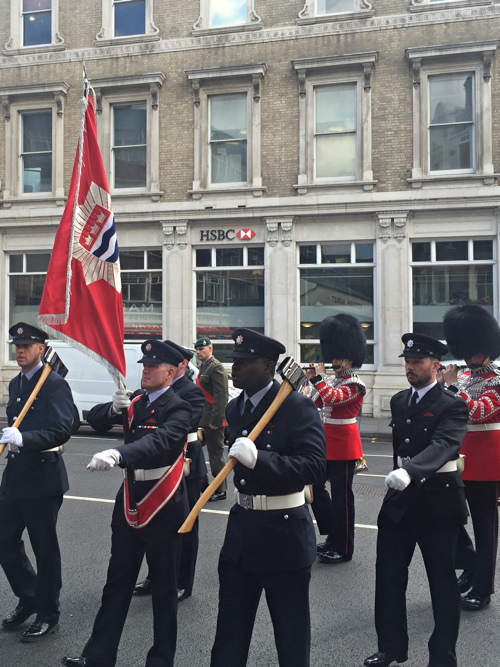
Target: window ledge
pixel 335 18
pixel 360 186
pixel 154 196
pixel 28 50
pixel 29 200
pixel 449 180
pixel 419 6
pixel 130 39
pixel 246 27
pixel 227 192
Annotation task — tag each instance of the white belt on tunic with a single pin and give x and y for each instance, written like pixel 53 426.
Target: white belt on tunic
pixel 147 475
pixel 193 437
pixel 54 449
pixel 340 421
pixel 491 426
pixel 286 502
pixel 451 466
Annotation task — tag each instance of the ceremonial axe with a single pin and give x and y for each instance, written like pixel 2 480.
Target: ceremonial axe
pixel 294 378
pixel 52 363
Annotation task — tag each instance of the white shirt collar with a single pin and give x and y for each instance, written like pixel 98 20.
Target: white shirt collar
pixel 258 396
pixel 422 392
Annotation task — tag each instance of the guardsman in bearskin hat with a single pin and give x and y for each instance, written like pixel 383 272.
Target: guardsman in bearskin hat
pixel 474 335
pixel 343 343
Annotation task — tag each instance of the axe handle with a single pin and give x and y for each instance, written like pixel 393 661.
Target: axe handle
pixel 284 391
pixel 45 374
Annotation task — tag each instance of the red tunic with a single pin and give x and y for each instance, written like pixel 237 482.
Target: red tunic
pixel 480 388
pixel 341 397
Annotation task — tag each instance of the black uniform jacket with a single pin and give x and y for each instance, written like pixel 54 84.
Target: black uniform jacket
pixel 191 393
pixel 291 455
pixel 430 434
pixel 33 472
pixel 157 437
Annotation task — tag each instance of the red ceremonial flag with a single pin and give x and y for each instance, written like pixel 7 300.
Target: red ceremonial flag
pixel 81 301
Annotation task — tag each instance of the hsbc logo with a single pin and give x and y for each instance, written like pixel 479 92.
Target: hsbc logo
pixel 226 234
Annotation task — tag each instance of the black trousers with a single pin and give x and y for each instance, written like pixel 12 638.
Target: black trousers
pixel 190 541
pixel 214 440
pixel 162 547
pixel 39 517
pixel 396 544
pixel 335 514
pixel 287 596
pixel 482 498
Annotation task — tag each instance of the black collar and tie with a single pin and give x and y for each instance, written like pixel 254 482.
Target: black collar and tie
pixel 247 410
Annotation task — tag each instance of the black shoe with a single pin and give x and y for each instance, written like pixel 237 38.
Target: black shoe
pixel 325 546
pixel 144 587
pixel 475 602
pixel 380 659
pixel 17 617
pixel 332 557
pixel 465 581
pixel 38 630
pixel 218 495
pixel 182 594
pixel 80 661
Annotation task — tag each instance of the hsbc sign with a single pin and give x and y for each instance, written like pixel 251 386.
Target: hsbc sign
pixel 226 234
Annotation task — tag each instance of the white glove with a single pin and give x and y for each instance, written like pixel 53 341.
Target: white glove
pixel 13 436
pixel 105 460
pixel 121 400
pixel 398 479
pixel 245 451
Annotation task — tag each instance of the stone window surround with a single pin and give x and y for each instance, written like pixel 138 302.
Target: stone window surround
pixel 15 101
pixel 444 59
pixel 308 15
pixel 325 70
pixel 426 5
pixel 219 81
pixel 125 89
pixel 202 27
pixel 14 45
pixel 105 36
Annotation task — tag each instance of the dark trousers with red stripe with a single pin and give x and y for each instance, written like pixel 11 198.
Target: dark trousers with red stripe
pixel 482 498
pixel 335 513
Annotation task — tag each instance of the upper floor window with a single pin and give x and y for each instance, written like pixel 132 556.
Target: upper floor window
pixel 228 138
pixel 224 15
pixel 127 21
pixel 37 20
pixel 335 129
pixel 36 151
pixel 129 17
pixel 315 11
pixel 34 26
pixel 423 5
pixel 129 145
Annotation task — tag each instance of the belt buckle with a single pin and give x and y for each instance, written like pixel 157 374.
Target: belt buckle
pixel 246 501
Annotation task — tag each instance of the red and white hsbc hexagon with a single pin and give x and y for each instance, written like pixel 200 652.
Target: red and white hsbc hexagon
pixel 245 234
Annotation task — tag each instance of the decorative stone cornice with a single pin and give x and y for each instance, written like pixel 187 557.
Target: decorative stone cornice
pixel 9 94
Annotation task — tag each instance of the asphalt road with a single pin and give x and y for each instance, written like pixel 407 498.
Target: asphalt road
pixel 343 632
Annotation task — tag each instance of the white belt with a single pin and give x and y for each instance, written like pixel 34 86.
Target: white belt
pixel 147 475
pixel 54 449
pixel 286 502
pixel 451 466
pixel 491 426
pixel 340 421
pixel 193 437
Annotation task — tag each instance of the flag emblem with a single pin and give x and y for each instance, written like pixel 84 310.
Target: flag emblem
pixel 245 234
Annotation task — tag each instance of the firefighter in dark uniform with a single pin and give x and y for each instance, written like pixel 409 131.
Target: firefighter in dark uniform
pixel 33 484
pixel 270 541
pixel 160 422
pixel 189 392
pixel 424 505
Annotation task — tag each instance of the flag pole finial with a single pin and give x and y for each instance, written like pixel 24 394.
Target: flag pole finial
pixel 86 84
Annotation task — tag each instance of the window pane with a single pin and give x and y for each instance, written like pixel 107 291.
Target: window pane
pixel 36 5
pixel 224 12
pixel 37 262
pixel 335 6
pixel 154 258
pixel 336 253
pixel 452 251
pixel 203 257
pixel 336 108
pixel 228 117
pixel 229 256
pixel 436 288
pixel 229 162
pixel 16 263
pixel 336 156
pixel 451 147
pixel 37 132
pixel 226 300
pixel 451 98
pixel 421 252
pixel 364 252
pixel 37 28
pixel 131 259
pixel 307 254
pixel 483 250
pixel 25 297
pixel 330 291
pixel 130 167
pixel 256 256
pixel 129 124
pixel 142 304
pixel 130 18
pixel 37 173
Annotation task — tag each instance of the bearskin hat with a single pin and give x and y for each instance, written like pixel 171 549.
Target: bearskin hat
pixel 342 337
pixel 471 330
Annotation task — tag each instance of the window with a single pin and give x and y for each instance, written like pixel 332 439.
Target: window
pixel 229 293
pixel 26 280
pixel 448 273
pixel 224 16
pixel 335 278
pixel 34 142
pixel 426 5
pixel 125 21
pixel 335 122
pixel 34 26
pixel 316 11
pixel 141 274
pixel 227 130
pixel 452 114
pixel 128 125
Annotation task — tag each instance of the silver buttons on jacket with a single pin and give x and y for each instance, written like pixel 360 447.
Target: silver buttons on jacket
pixel 407 440
pixel 245 433
pixel 243 482
pixel 408 421
pixel 268 446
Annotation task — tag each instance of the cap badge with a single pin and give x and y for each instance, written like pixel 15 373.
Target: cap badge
pixel 239 340
pixel 409 343
pixel 19 330
pixel 148 347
